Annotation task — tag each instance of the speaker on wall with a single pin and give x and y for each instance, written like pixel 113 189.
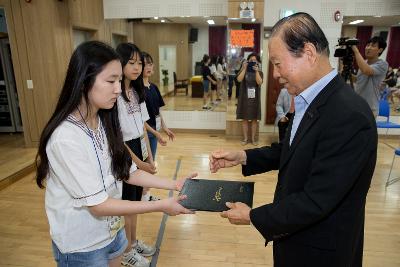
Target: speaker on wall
pixel 193 35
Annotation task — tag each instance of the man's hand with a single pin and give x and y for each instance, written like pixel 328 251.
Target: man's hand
pixel 224 159
pixel 355 49
pixel 238 214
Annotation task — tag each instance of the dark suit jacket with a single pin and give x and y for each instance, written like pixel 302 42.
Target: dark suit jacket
pixel 317 216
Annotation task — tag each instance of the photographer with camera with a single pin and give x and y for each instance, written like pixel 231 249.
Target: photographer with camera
pixel 249 101
pixel 371 71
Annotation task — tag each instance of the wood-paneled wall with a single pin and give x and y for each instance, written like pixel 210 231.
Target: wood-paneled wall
pixel 88 15
pixel 148 37
pixel 40 39
pixel 40 34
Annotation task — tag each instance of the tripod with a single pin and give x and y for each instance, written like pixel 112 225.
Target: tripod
pixel 348 69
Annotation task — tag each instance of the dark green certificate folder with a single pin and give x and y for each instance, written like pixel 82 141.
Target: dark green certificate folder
pixel 211 195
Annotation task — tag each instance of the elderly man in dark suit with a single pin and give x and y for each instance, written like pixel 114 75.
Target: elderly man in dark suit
pixel 325 162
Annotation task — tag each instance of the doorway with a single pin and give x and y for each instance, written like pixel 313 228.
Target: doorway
pixel 10 115
pixel 167 64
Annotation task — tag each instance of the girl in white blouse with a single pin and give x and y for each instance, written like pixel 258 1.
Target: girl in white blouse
pixel 82 160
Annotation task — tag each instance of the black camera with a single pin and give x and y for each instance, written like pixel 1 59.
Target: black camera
pixel 345 53
pixel 250 66
pixel 344 46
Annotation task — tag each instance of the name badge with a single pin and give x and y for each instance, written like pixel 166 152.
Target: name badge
pixel 251 92
pixel 115 223
pixel 158 123
pixel 143 146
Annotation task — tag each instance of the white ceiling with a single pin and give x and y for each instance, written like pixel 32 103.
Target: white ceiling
pixel 219 21
pixel 385 21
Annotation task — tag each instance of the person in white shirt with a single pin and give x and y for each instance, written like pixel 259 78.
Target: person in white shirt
pixel 284 112
pixel 221 77
pixel 82 161
pixel 214 73
pixel 133 114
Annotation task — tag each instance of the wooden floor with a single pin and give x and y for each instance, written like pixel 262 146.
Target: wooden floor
pixel 14 157
pixel 203 239
pixel 182 102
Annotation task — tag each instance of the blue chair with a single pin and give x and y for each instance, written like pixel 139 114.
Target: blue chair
pixel 392 181
pixel 384 111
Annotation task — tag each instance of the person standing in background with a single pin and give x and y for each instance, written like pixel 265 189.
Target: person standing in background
pixel 214 74
pixel 371 72
pixel 231 75
pixel 221 74
pixel 207 79
pixel 132 113
pixel 284 112
pixel 249 102
pixel 154 102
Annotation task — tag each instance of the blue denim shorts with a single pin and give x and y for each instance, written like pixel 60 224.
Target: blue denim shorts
pixel 96 258
pixel 206 84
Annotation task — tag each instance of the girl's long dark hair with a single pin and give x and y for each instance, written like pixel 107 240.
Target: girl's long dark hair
pixel 87 61
pixel 127 51
pixel 147 58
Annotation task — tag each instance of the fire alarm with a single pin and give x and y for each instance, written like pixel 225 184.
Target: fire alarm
pixel 337 16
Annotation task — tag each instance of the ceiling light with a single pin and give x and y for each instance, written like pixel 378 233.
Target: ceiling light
pixel 163 20
pixel 155 17
pixel 211 22
pixel 377 16
pixel 253 20
pixel 356 21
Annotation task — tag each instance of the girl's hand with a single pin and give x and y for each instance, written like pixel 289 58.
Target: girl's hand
pixel 161 139
pixel 170 134
pixel 172 207
pixel 179 183
pixel 147 167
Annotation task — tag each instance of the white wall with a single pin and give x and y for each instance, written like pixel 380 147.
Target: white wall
pixel 200 47
pixel 114 9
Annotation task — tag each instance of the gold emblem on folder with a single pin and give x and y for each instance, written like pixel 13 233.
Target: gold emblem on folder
pixel 241 189
pixel 217 196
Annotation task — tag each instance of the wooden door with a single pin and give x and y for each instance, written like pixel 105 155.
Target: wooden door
pixel 273 89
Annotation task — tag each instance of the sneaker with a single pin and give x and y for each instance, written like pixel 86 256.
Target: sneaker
pixel 143 249
pixel 205 107
pixel 255 143
pixel 244 142
pixel 134 259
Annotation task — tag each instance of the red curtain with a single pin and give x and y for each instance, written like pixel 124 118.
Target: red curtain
pixel 256 27
pixel 393 54
pixel 217 40
pixel 363 34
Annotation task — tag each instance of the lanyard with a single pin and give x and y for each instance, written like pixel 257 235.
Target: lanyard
pixel 95 149
pixel 140 111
